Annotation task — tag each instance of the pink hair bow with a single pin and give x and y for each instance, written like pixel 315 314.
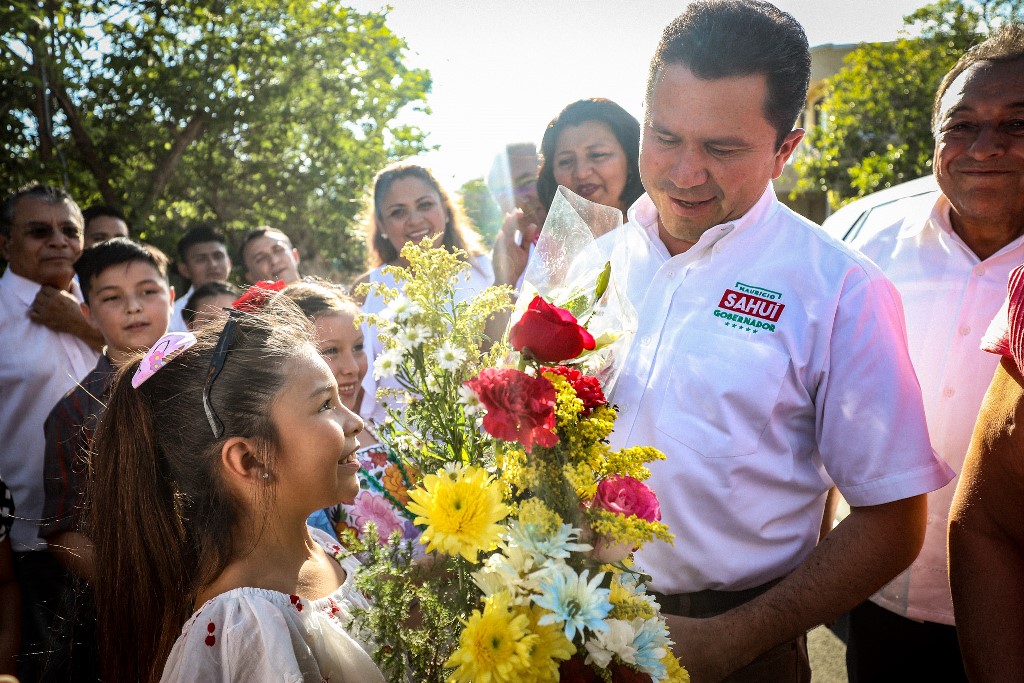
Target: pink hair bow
pixel 161 353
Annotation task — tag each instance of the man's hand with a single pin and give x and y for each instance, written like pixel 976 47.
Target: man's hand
pixel 61 312
pixel 702 648
pixel 512 248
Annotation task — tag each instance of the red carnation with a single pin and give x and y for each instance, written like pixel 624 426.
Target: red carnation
pixel 257 296
pixel 587 388
pixel 519 407
pixel 549 333
pixel 627 496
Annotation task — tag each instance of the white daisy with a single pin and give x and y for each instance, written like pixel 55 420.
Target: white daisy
pixel 400 309
pixel 450 357
pixel 386 364
pixel 471 400
pixel 411 337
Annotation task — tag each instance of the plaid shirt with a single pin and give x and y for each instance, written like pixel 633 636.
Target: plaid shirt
pixel 69 430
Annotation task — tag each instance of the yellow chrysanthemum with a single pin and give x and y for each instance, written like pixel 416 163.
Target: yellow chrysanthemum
pixel 627 605
pixel 461 508
pixel 494 646
pixel 550 648
pixel 675 673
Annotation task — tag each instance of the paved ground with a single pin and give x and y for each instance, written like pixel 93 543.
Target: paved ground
pixel 828 656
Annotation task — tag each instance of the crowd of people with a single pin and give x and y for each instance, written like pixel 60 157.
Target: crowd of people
pixel 172 471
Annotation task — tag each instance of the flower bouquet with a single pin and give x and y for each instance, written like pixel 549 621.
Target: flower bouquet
pixel 528 517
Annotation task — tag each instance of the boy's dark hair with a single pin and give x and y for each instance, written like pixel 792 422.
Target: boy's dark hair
pixel 198 235
pixel 205 291
pixel 622 124
pixel 725 38
pixel 98 210
pixel 1005 45
pixel 50 194
pixel 113 252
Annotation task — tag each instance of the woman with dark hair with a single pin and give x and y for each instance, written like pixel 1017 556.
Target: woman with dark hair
pixel 592 147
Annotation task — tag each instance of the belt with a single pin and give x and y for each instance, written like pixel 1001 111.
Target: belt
pixel 708 603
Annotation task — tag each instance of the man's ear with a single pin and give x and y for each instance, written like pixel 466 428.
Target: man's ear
pixel 786 149
pixel 295 255
pixel 184 271
pixel 4 242
pixel 241 466
pixel 170 291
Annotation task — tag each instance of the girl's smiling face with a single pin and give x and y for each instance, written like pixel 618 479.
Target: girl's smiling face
pixel 316 464
pixel 340 342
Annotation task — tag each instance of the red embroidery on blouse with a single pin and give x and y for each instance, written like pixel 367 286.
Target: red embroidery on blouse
pixel 211 639
pixel 296 601
pixel 331 609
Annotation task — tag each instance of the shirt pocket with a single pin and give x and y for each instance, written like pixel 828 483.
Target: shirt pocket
pixel 719 394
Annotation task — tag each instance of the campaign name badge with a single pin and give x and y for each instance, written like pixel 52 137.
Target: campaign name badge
pixel 750 308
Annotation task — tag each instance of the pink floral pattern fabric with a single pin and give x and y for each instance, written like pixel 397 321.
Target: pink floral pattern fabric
pixel 383 495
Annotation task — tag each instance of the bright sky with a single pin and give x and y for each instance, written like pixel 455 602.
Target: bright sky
pixel 503 68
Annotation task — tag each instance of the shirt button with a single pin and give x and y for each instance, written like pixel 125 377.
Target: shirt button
pixel 948 392
pixel 646 340
pixel 965 330
pixel 980 270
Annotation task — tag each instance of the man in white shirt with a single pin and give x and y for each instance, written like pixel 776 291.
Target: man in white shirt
pixel 41 237
pixel 950 263
pixel 769 363
pixel 202 257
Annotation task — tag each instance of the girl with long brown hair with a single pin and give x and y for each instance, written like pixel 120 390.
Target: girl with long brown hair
pixel 211 454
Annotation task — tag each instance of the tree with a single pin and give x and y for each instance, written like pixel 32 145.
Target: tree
pixel 236 112
pixel 481 209
pixel 876 113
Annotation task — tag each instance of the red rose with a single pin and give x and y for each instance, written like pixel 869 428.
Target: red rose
pixel 257 296
pixel 549 334
pixel 519 407
pixel 587 388
pixel 626 496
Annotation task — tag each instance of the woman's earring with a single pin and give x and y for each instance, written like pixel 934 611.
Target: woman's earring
pixel 266 475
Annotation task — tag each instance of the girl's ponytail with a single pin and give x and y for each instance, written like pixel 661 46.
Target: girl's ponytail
pixel 134 523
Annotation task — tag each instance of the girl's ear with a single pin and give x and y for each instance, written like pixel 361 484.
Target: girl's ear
pixel 241 466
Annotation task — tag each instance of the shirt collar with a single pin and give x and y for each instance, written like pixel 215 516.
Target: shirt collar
pixel 645 214
pixel 25 290
pixel 938 220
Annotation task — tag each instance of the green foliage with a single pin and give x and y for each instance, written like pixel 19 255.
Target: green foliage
pixel 482 209
pixel 236 113
pixel 875 127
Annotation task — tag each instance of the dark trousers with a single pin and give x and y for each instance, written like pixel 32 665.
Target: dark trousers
pixel 884 646
pixel 58 634
pixel 784 663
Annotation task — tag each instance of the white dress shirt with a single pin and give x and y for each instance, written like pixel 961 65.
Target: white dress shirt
pixel 949 296
pixel 479 277
pixel 769 362
pixel 177 323
pixel 37 367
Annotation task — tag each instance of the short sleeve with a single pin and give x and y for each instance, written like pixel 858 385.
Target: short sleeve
pixel 243 638
pixel 873 437
pixel 1005 336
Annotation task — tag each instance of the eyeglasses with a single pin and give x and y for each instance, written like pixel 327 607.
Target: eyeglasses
pixel 220 354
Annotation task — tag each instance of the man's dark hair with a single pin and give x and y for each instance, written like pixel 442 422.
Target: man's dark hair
pixel 622 124
pixel 98 210
pixel 256 234
pixel 47 193
pixel 95 260
pixel 1005 45
pixel 205 291
pixel 728 38
pixel 198 235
